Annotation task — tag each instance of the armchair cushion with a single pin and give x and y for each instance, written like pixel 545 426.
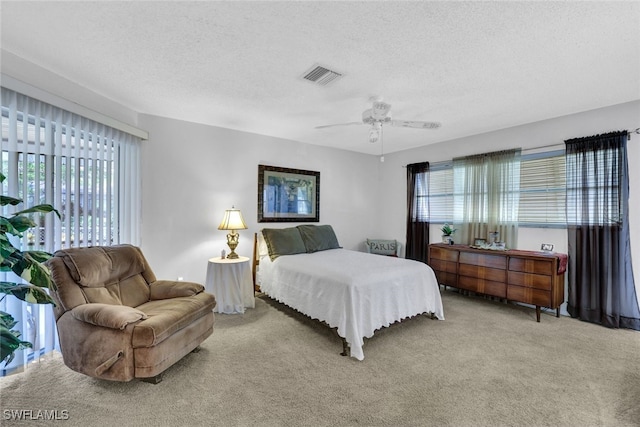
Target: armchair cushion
pixel 107 315
pixel 97 267
pixel 166 316
pixel 165 289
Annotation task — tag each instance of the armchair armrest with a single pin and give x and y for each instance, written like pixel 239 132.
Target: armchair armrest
pixel 107 315
pixel 165 289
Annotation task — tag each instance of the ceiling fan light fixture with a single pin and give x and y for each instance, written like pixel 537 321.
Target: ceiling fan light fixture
pixel 374 134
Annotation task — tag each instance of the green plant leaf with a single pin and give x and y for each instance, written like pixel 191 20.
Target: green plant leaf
pixel 35 273
pixel 38 256
pixel 7 320
pixel 9 343
pixel 6 200
pixel 7 227
pixel 26 292
pixel 45 208
pixel 20 223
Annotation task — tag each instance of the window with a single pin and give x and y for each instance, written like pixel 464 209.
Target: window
pixel 440 193
pixel 542 191
pixel 88 171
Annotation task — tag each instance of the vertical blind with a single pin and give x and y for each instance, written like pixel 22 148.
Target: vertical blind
pixel 88 171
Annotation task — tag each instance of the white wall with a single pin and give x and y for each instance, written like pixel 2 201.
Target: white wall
pixel 41 78
pixel 529 136
pixel 185 194
pixel 191 173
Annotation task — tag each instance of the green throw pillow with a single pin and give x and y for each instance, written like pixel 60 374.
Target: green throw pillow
pixel 318 237
pixel 283 241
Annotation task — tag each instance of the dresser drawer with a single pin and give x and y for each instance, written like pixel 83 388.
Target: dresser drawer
pixel 530 296
pixel 445 278
pixel 529 280
pixel 442 265
pixel 536 266
pixel 484 260
pixel 443 254
pixel 479 272
pixel 481 286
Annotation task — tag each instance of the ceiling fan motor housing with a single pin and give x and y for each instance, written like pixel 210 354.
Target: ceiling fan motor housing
pixel 369 117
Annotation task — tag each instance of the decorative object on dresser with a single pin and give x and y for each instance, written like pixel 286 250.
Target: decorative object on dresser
pixel 528 277
pixel 447 233
pixel 232 221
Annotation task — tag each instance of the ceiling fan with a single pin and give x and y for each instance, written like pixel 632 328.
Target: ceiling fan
pixel 378 115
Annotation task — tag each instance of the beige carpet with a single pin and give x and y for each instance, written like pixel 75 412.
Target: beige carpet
pixel 487 364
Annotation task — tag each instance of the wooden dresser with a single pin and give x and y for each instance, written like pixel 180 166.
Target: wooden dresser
pixel 534 278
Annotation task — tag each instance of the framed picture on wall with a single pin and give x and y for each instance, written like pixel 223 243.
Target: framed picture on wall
pixel 546 247
pixel 288 195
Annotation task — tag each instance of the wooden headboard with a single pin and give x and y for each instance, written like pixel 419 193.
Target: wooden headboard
pixel 255 263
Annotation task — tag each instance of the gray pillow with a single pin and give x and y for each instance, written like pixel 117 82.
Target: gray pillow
pixel 383 247
pixel 283 241
pixel 318 237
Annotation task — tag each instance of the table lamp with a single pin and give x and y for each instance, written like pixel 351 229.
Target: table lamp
pixel 232 221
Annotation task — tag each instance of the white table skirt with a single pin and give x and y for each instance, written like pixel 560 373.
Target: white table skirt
pixel 231 283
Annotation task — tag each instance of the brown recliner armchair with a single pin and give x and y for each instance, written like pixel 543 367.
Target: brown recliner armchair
pixel 116 321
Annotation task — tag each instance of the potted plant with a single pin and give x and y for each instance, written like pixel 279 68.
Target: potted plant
pixel 25 264
pixel 447 232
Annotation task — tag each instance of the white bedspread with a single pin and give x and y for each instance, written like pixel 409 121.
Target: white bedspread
pixel 354 292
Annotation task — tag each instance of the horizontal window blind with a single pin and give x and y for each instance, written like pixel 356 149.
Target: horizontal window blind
pixel 543 190
pixel 441 193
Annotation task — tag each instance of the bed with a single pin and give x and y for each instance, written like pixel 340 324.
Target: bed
pixel 357 293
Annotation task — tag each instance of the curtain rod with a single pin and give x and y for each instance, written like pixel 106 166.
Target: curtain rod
pixel 629 132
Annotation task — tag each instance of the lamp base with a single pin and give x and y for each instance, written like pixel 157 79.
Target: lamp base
pixel 232 242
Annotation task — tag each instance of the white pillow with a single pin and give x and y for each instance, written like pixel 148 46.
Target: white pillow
pixel 263 249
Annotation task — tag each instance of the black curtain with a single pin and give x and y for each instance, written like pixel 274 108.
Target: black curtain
pixel 601 284
pixel 417 212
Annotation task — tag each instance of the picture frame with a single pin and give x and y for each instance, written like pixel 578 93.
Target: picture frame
pixel 288 195
pixel 546 247
pixel 479 241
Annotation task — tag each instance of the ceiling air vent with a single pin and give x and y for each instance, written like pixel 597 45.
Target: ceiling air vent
pixel 321 75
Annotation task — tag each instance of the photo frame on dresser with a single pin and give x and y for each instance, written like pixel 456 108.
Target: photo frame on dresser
pixel 288 195
pixel 546 247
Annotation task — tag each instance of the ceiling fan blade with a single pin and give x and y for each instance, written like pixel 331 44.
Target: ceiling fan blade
pixel 415 124
pixel 339 124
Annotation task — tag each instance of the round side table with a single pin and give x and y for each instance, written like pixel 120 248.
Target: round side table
pixel 230 281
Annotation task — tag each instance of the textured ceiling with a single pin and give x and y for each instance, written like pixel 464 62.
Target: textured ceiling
pixel 473 66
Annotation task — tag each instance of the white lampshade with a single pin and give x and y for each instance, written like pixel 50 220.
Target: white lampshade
pixel 232 220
